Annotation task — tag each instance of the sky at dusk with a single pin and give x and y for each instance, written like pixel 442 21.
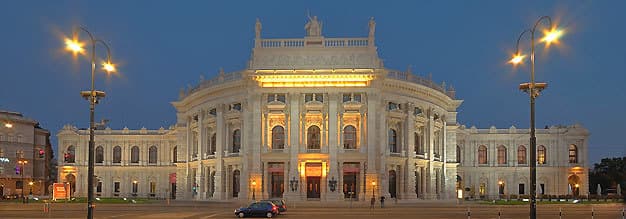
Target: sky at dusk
pixel 162 46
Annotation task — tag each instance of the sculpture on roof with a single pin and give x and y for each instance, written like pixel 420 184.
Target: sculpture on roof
pixel 257 28
pixel 372 25
pixel 313 27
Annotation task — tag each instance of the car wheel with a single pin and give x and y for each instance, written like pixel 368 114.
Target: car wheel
pixel 241 215
pixel 269 214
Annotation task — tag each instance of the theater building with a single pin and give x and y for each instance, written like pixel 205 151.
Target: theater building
pixel 313 118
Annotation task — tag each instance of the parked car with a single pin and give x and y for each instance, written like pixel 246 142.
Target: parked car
pixel 282 206
pixel 262 208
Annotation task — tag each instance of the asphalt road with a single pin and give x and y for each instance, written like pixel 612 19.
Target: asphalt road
pixel 225 210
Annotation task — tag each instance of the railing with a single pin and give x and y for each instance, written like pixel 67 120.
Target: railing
pixel 405 76
pixel 220 79
pixel 326 42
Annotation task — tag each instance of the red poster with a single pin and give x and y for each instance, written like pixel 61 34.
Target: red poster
pixel 59 191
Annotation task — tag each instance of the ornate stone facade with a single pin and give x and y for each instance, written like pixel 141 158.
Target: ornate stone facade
pixel 318 119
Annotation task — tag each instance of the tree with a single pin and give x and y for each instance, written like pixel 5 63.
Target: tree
pixel 608 173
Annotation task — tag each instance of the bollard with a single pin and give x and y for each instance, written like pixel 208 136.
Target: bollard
pixel 622 213
pixel 469 213
pixel 560 213
pixel 591 212
pixel 499 212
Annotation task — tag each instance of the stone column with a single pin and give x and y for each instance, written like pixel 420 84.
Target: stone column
pixel 431 176
pixel 374 136
pixel 333 147
pixel 200 167
pixel 293 145
pixel 220 130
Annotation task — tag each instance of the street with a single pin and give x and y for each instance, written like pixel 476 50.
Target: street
pixel 225 210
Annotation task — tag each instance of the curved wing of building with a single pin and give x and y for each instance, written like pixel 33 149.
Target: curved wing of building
pixel 311 118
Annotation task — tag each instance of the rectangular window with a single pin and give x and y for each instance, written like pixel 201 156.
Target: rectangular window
pixel 417 111
pixel 357 98
pixel 116 187
pixel 308 98
pixel 319 97
pixel 393 106
pixel 346 98
pixel 135 187
pixel 152 187
pixel 521 189
pixel 99 187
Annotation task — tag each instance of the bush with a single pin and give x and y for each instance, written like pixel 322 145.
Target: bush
pixel 513 196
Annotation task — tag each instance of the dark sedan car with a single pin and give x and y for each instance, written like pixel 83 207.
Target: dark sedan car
pixel 262 208
pixel 282 206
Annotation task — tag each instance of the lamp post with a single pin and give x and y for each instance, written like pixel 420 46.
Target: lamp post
pixel 31 187
pixel 22 162
pixel 533 89
pixel 253 189
pixel 93 97
pixel 373 189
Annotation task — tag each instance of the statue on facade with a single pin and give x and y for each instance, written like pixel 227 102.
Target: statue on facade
pixel 372 26
pixel 313 27
pixel 257 28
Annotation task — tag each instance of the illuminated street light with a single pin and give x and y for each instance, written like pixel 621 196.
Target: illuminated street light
pixel 534 89
pixel 253 189
pixel 8 125
pixel 373 189
pixel 93 96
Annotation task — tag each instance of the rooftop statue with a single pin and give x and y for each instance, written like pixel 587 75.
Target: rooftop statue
pixel 372 25
pixel 313 27
pixel 257 28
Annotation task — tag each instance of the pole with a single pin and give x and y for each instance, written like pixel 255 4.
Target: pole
pixel 533 139
pixel 92 106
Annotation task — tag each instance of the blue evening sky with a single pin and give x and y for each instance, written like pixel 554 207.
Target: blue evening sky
pixel 165 45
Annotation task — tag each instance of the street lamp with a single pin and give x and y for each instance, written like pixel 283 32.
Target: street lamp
pixel 22 162
pixel 31 187
pixel 253 189
pixel 533 88
pixel 373 189
pixel 294 184
pixel 93 96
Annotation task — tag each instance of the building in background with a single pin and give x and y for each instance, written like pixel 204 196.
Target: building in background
pixel 25 152
pixel 313 118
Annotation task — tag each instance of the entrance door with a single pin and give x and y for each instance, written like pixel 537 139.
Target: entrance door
pixel 173 191
pixel 313 186
pixel 278 185
pixel 349 185
pixel 392 183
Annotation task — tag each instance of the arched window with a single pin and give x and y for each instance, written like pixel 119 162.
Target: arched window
pixel 117 154
pixel 213 147
pixel 278 137
pixel 393 141
pixel 134 154
pixel 236 141
pixel 521 155
pixel 152 154
pixel 175 154
pixel 313 137
pixel 573 154
pixel 349 137
pixel 418 140
pixel 99 154
pixel 501 154
pixel 70 154
pixel 458 154
pixel 482 154
pixel 541 154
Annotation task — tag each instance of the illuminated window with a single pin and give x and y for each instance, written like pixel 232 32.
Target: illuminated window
pixel 573 154
pixel 313 137
pixel 278 137
pixel 236 141
pixel 134 154
pixel 349 137
pixel 541 154
pixel 99 154
pixel 152 155
pixel 521 155
pixel 501 154
pixel 482 154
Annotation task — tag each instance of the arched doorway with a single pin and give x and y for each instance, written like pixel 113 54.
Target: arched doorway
pixel 71 179
pixel 573 184
pixel 392 183
pixel 236 176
